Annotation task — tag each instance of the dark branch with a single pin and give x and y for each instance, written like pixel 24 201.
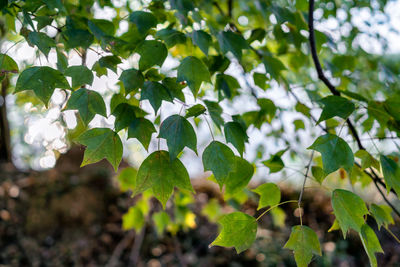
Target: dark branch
pixel 334 91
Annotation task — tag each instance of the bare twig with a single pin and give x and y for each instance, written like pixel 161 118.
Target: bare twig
pixel 304 184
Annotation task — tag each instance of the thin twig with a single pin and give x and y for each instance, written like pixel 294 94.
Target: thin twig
pixel 302 188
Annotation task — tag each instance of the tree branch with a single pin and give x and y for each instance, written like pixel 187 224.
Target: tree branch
pixel 334 91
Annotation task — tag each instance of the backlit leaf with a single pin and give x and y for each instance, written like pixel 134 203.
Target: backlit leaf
pixel 141 129
pixel 236 135
pixel 371 244
pixel 101 143
pixel 179 133
pixel 335 152
pixel 151 53
pixel 304 243
pixel 194 72
pixel 80 75
pixel 160 174
pixel 336 106
pixel 270 195
pixel 239 230
pixel 155 92
pixel 349 210
pixel 391 174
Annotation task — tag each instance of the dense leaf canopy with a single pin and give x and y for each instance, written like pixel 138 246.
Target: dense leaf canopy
pixel 234 68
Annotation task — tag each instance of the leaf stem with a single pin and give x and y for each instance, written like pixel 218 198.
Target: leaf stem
pixel 272 207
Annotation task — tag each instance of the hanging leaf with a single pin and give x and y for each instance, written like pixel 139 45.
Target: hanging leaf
pixel 349 210
pixel 371 244
pixel 219 159
pixel 144 21
pixel 215 111
pixel 236 135
pixel 160 174
pixel 171 37
pixel 174 88
pixel 127 179
pixel 335 152
pixel 195 111
pixel 41 80
pixel 227 86
pixel 367 160
pixel 101 143
pixel 125 114
pixel 239 177
pixel 239 230
pixel 161 221
pixel 155 92
pixel 88 103
pixel 270 195
pixel 260 79
pixel 382 215
pixel 110 62
pixel 132 79
pixel 232 42
pixel 194 72
pixel 42 41
pixel 80 75
pixel 179 133
pixel 391 174
pixel 151 53
pixel 202 39
pixel 304 243
pixel 318 173
pixel 141 129
pixel 336 106
pixel 133 219
pixel 7 65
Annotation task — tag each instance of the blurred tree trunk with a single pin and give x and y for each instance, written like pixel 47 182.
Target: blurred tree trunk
pixel 5 143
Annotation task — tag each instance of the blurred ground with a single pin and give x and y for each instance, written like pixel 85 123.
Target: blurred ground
pixel 71 216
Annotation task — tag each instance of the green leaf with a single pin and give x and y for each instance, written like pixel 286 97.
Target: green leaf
pixel 304 242
pixel 42 80
pixel 239 177
pixel 270 195
pixel 382 215
pixel 7 64
pixel 144 21
pixel 195 111
pixel 133 219
pixel 256 35
pixel 183 6
pixel 110 62
pixel 100 71
pixel 391 174
pixel 80 75
pixel 132 79
pixel 298 124
pixel 171 37
pixel 239 230
pixel 42 41
pixel 101 28
pixel 335 152
pixel 349 210
pixel 194 72
pixel 226 85
pixel 219 159
pixel 43 21
pixel 88 103
pixel 179 133
pixel 371 244
pixel 232 42
pixel 78 38
pixel 236 135
pixel 141 129
pixel 366 159
pixel 336 106
pixel 260 79
pixel 155 92
pixel 318 173
pixel 160 174
pixel 151 53
pixel 202 39
pixel 215 111
pixel 127 179
pixel 174 88
pixel 125 114
pixel 101 143
pixel 274 164
pixel 161 221
pixel 273 66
